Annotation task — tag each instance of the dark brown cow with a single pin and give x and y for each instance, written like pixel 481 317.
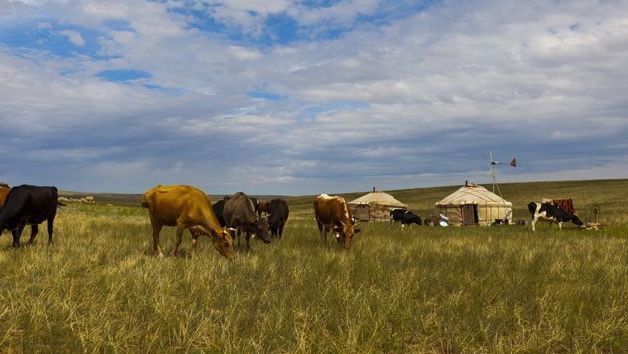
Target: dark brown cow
pixel 332 213
pixel 239 213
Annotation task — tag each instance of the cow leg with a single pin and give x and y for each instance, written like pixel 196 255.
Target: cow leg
pixel 238 233
pixel 50 224
pixel 248 241
pixel 34 231
pixel 280 231
pixel 177 242
pixel 17 233
pixel 533 222
pixel 156 230
pixel 560 225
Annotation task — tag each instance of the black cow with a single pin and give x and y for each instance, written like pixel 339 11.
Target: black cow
pixel 29 205
pixel 546 211
pixel 277 216
pixel 239 213
pixel 405 216
pixel 219 208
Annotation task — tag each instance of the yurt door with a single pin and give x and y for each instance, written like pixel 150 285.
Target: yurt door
pixel 469 214
pixel 362 212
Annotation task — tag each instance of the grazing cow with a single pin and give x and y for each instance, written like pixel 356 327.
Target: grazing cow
pixel 29 205
pixel 332 213
pixel 240 213
pixel 277 210
pixel 219 209
pixel 546 211
pixel 185 207
pixel 406 217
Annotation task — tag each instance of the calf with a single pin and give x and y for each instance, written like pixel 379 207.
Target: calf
pixel 332 214
pixel 277 216
pixel 29 205
pixel 406 217
pixel 240 213
pixel 546 211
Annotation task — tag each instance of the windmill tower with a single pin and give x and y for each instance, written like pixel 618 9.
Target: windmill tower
pixel 493 164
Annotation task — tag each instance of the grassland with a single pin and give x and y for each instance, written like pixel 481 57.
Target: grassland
pixel 427 289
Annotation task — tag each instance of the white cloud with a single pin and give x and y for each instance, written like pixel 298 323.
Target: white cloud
pixel 379 104
pixel 74 37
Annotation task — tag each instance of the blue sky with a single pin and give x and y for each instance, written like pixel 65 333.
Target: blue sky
pixel 303 97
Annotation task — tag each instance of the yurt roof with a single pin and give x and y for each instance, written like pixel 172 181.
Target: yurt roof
pixel 473 194
pixel 380 198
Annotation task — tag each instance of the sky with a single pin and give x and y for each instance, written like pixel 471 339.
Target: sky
pixel 295 97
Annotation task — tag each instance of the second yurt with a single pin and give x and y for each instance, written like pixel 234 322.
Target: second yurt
pixel 375 206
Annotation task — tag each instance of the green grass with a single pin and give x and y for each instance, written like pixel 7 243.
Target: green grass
pixel 427 289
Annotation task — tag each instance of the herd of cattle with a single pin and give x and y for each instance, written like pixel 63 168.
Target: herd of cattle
pixel 237 216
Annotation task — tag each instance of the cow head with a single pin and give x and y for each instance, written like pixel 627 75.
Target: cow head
pixel 261 229
pixel 344 233
pixel 223 243
pixel 576 220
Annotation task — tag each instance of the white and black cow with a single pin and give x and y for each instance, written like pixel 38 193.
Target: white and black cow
pixel 406 217
pixel 546 211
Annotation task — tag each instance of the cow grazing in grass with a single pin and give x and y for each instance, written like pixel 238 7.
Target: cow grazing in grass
pixel 406 217
pixel 332 214
pixel 185 207
pixel 277 210
pixel 29 205
pixel 546 211
pixel 240 213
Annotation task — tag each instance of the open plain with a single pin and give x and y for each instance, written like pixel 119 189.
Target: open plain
pixel 423 289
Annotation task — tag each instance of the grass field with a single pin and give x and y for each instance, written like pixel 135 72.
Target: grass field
pixel 427 289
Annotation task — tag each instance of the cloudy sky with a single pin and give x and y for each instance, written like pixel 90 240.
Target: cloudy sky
pixel 310 96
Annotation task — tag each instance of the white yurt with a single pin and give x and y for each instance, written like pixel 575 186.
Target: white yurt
pixel 475 205
pixel 374 206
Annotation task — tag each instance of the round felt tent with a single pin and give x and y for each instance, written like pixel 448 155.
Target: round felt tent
pixel 375 206
pixel 475 205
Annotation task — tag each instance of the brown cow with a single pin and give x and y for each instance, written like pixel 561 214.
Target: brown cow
pixel 4 191
pixel 332 213
pixel 185 207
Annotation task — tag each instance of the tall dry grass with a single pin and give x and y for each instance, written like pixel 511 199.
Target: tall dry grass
pixel 499 289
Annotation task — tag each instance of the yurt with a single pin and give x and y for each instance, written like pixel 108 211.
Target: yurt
pixel 475 205
pixel 375 206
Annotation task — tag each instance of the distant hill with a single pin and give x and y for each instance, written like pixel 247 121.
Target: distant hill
pixel 133 199
pixel 609 196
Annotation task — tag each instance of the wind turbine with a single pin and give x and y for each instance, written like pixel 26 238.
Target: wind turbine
pixel 492 163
